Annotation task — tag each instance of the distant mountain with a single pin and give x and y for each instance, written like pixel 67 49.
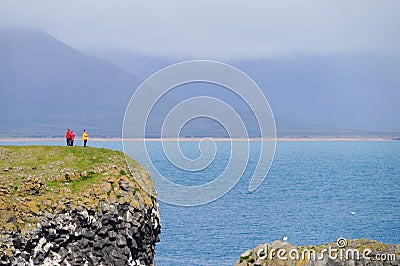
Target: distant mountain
pixel 48 86
pixel 359 92
pixel 343 91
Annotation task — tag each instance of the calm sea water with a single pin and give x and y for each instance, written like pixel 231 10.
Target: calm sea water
pixel 308 196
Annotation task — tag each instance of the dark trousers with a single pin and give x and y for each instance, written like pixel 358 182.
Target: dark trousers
pixel 84 142
pixel 68 142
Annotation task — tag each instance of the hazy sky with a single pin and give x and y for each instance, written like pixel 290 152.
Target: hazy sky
pixel 215 29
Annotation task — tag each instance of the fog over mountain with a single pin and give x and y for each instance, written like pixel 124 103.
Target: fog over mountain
pixel 359 92
pixel 48 86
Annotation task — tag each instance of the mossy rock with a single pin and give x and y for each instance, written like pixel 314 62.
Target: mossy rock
pixel 35 180
pixel 391 254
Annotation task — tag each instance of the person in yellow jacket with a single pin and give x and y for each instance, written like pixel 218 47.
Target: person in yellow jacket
pixel 85 137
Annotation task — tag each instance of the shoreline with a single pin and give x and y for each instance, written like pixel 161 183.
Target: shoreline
pixel 27 139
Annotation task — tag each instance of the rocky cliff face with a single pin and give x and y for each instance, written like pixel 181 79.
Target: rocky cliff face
pixel 343 252
pixel 75 206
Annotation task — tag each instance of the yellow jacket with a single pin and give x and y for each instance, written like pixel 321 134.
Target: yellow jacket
pixel 85 136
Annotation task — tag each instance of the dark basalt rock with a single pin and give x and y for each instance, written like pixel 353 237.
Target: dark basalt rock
pixel 71 238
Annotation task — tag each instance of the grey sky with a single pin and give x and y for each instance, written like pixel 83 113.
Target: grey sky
pixel 215 29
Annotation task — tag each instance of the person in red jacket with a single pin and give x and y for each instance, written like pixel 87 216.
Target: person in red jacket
pixel 68 137
pixel 72 137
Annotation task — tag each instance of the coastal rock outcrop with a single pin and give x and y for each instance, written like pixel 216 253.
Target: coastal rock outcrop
pixel 75 206
pixel 342 252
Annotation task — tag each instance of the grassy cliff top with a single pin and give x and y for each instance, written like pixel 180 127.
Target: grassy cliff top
pixel 39 179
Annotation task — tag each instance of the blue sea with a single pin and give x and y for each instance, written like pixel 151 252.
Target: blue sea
pixel 308 196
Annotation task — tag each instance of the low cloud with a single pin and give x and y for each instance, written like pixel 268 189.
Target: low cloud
pixel 215 29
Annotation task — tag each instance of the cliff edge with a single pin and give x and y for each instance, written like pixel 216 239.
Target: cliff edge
pixel 75 206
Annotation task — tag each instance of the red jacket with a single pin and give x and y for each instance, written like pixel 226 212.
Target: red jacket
pixel 72 133
pixel 68 135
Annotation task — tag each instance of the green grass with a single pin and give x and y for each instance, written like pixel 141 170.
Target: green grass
pixel 79 158
pixel 76 186
pixel 83 183
pixel 50 161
